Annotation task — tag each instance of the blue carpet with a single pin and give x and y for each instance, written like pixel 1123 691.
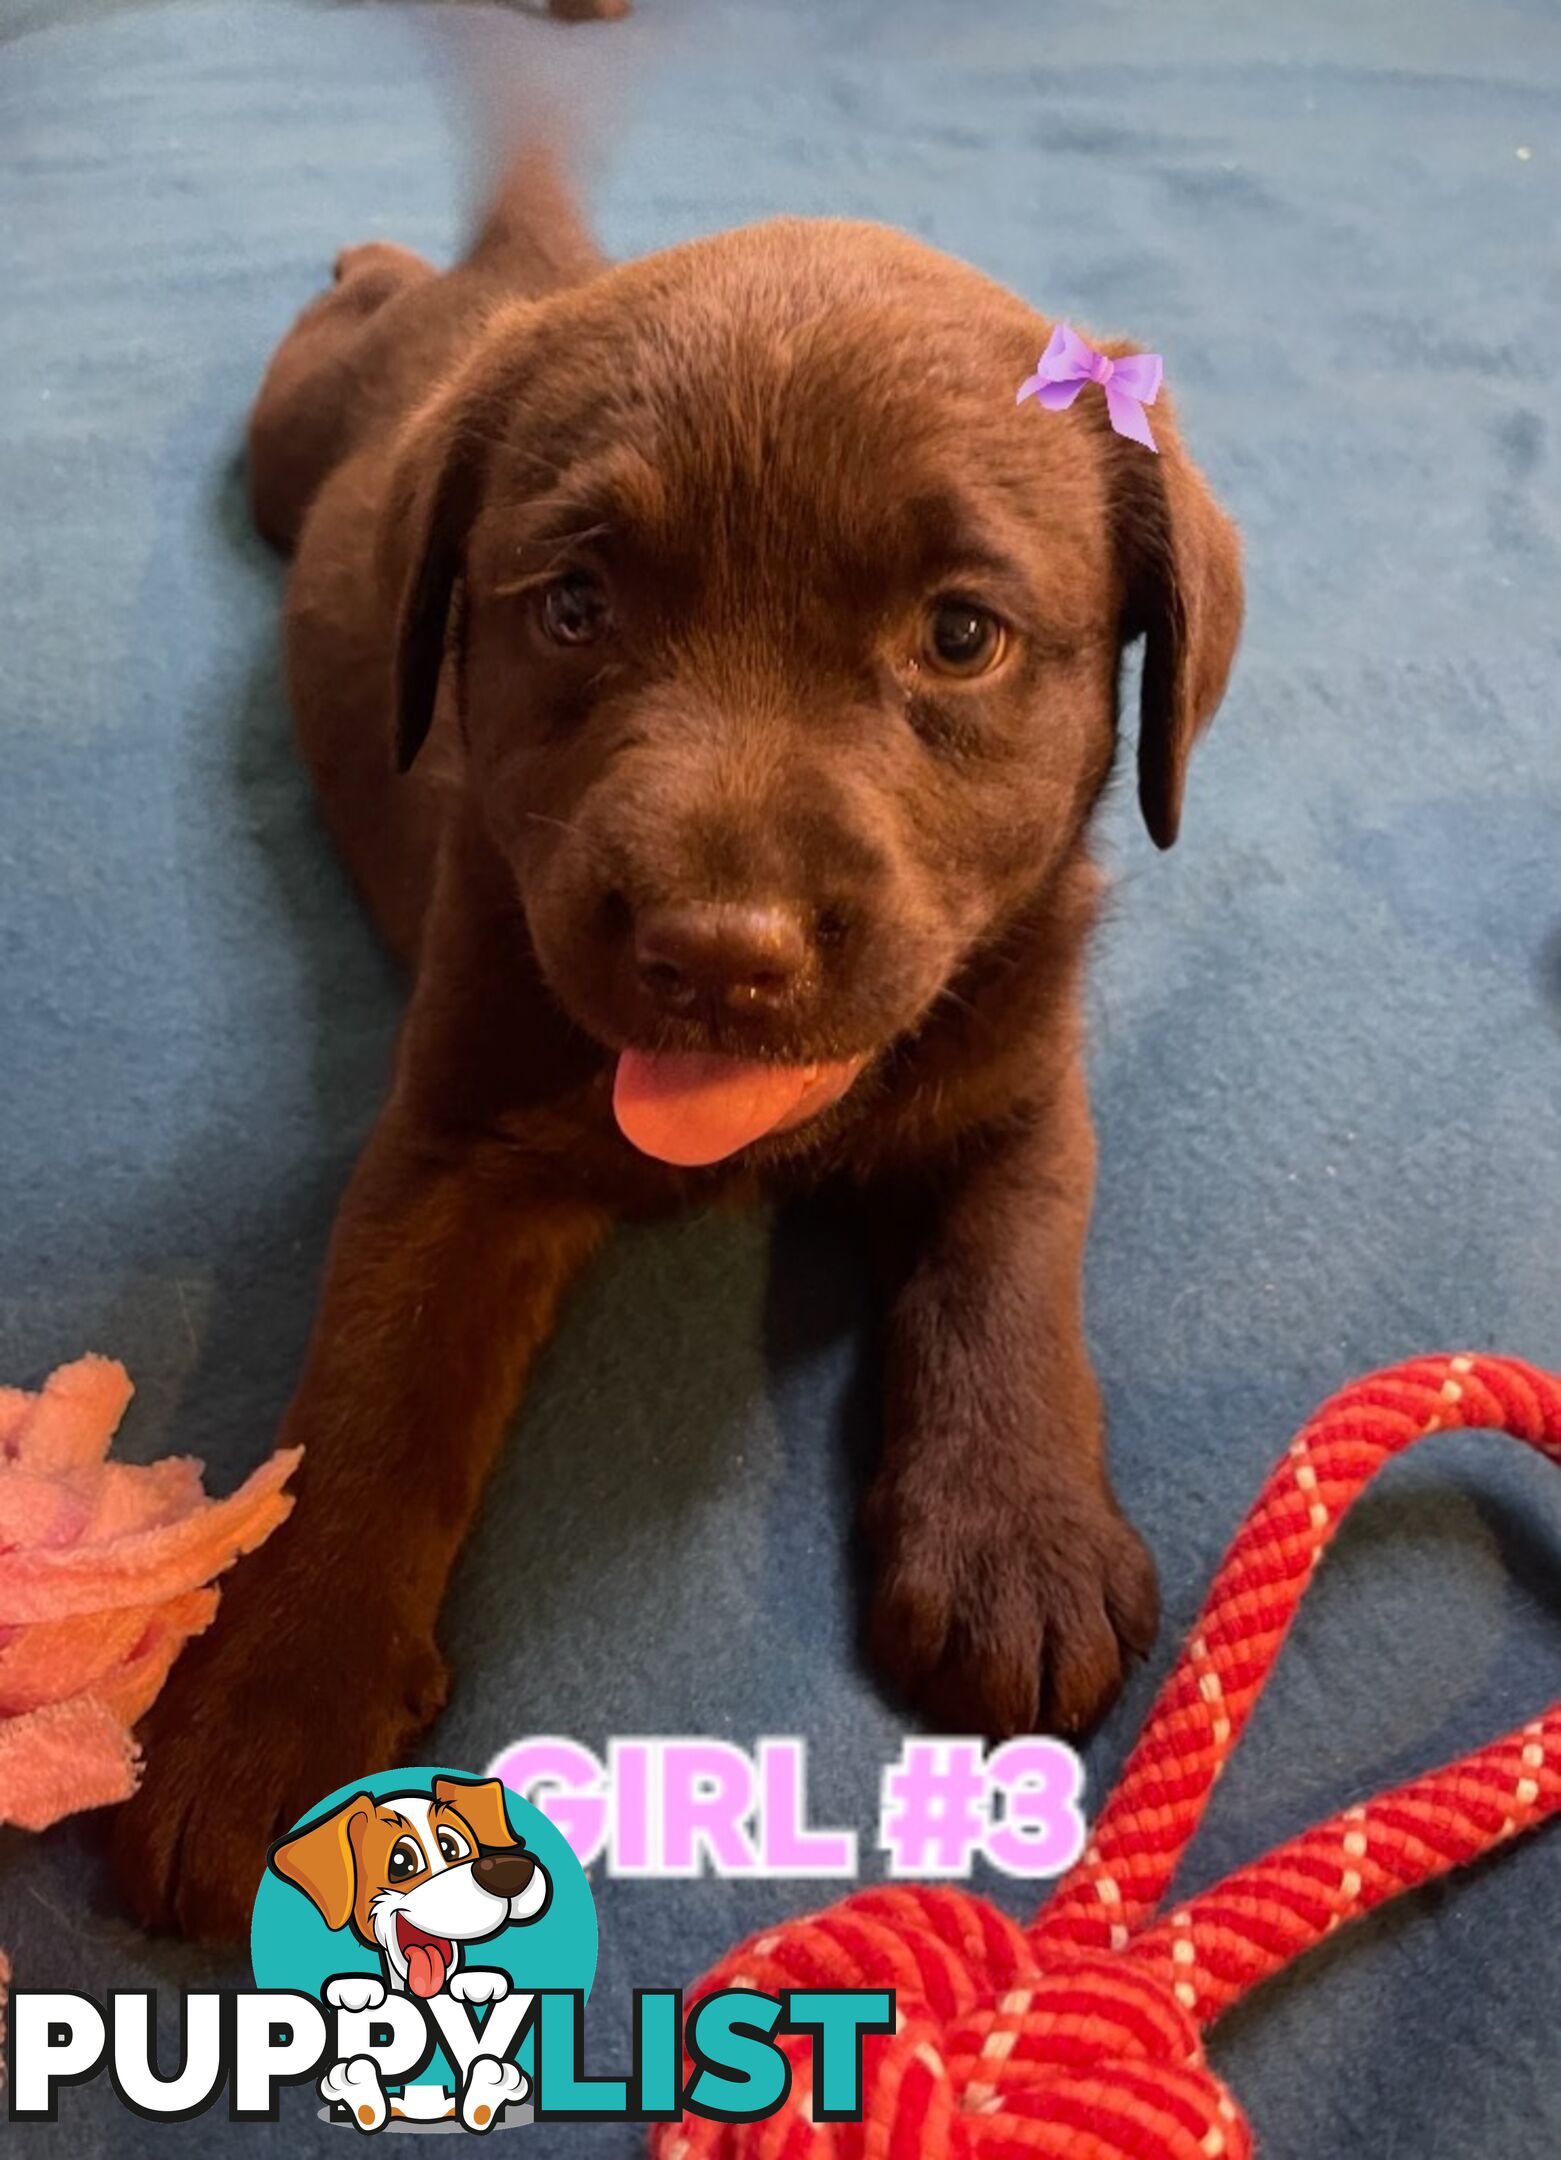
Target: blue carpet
pixel 1327 1029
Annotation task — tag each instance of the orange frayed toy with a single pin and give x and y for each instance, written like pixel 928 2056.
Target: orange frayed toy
pixel 105 1571
pixel 1081 2036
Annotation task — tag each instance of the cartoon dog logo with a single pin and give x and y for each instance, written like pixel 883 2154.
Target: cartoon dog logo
pixel 419 1877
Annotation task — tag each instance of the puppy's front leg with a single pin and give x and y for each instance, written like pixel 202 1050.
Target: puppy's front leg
pixel 1010 1589
pixel 445 1272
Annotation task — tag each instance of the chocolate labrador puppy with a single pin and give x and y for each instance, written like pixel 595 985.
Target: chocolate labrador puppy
pixel 709 674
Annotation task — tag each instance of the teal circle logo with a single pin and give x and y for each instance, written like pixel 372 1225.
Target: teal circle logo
pixel 425 1900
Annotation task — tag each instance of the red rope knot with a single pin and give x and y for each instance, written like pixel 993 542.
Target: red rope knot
pixel 996 2053
pixel 1081 2036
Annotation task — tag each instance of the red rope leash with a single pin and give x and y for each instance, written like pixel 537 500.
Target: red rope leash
pixel 1081 2035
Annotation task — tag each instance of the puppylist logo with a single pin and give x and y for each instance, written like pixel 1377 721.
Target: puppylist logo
pixel 423 1944
pixel 426 1910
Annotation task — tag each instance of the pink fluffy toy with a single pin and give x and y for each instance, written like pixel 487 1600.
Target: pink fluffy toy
pixel 105 1574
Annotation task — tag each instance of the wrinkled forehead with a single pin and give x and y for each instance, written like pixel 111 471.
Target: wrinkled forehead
pixel 847 437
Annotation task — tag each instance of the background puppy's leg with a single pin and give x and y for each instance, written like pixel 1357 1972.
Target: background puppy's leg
pixel 444 1276
pixel 1010 1590
pixel 589 10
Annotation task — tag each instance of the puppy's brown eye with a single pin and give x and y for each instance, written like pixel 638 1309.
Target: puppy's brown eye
pixel 405 1860
pixel 575 609
pixel 962 639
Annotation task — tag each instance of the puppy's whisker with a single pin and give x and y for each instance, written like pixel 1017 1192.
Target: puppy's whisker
pixel 589 840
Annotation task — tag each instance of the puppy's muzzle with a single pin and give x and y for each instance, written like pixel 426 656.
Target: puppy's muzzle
pixel 503 1874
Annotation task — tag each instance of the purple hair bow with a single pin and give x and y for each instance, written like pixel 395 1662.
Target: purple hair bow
pixel 1068 364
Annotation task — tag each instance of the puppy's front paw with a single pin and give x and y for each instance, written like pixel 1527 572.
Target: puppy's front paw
pixel 355 1991
pixel 259 1721
pixel 490 2087
pixel 1007 1612
pixel 479 1984
pixel 355 2086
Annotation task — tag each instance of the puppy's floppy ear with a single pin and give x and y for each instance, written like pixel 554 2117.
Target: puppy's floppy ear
pixel 481 1801
pixel 320 1861
pixel 435 486
pixel 1179 558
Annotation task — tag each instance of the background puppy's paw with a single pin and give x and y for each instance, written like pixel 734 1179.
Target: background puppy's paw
pixel 1008 1613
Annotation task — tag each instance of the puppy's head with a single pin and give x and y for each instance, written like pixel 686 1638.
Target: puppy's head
pixel 785 646
pixel 417 1874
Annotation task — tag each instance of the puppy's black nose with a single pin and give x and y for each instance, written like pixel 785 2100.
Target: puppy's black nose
pixel 743 956
pixel 506 1874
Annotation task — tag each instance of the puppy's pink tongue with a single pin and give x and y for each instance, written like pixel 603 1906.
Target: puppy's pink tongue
pixel 425 1968
pixel 690 1108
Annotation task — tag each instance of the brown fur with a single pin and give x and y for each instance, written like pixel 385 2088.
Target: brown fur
pixel 783 442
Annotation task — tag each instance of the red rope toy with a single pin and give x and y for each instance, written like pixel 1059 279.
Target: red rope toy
pixel 1082 2034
